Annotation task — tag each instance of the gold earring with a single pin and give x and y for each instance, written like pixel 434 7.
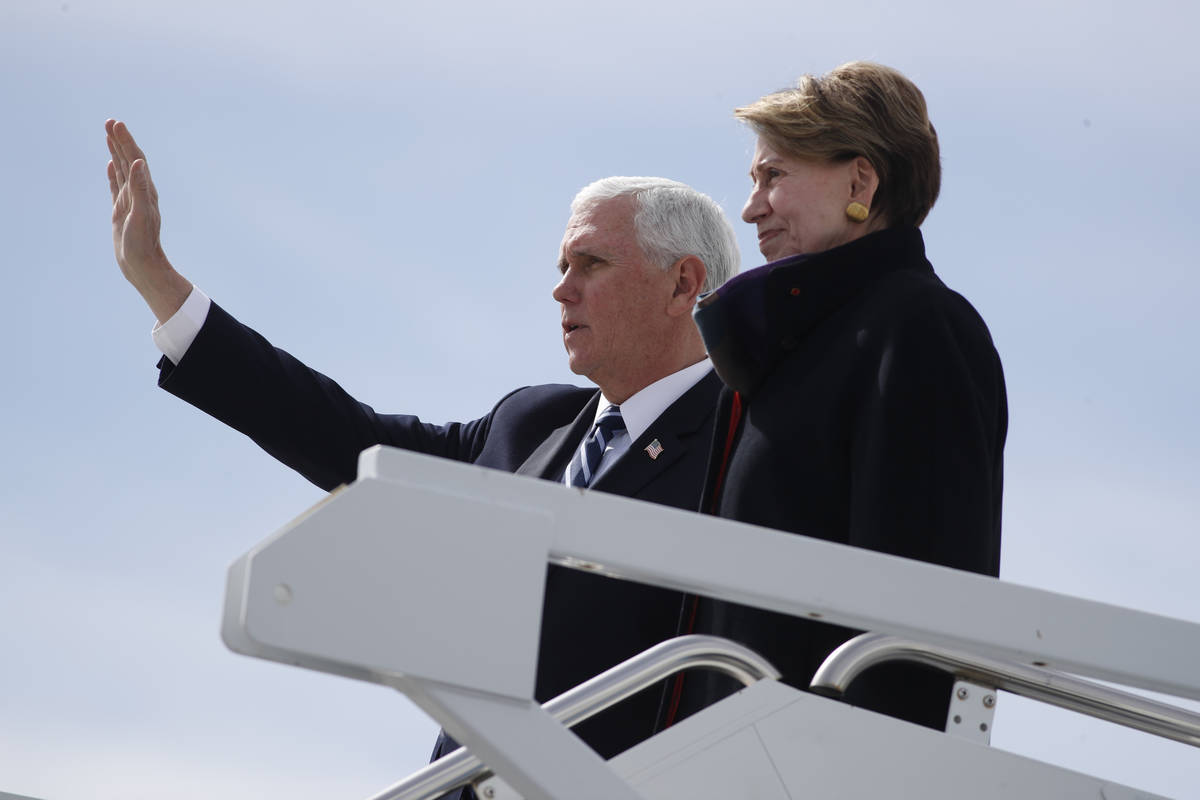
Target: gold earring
pixel 857 211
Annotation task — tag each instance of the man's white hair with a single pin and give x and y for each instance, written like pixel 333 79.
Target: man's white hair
pixel 672 220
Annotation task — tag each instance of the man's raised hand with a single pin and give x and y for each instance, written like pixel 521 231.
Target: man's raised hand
pixel 136 223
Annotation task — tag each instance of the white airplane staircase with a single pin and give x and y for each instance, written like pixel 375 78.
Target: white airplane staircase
pixel 346 588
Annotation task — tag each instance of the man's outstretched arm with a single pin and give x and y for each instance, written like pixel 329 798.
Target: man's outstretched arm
pixel 136 223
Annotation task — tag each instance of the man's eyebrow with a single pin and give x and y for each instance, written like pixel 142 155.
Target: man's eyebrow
pixel 582 255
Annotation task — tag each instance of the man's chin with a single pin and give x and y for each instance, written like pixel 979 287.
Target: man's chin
pixel 577 365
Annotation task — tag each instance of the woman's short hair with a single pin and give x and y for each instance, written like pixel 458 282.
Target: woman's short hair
pixel 859 109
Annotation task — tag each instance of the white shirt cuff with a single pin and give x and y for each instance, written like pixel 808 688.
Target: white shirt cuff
pixel 176 335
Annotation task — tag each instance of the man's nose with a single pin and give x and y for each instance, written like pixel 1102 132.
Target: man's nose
pixel 564 291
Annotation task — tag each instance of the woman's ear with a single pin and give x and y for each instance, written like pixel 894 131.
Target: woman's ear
pixel 864 180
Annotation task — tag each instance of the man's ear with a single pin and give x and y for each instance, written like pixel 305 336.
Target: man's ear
pixel 689 274
pixel 864 181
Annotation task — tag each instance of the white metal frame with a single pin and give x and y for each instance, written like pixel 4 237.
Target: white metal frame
pixel 356 586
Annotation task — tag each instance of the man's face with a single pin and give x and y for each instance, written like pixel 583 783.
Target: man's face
pixel 614 301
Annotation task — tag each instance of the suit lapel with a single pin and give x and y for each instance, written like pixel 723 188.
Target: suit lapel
pixel 673 429
pixel 550 458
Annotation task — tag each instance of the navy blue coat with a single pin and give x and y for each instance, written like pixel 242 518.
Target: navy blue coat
pixel 311 424
pixel 874 415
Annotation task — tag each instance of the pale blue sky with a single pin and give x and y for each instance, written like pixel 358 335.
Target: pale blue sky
pixel 381 188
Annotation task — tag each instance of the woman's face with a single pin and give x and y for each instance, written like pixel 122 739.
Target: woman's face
pixel 799 206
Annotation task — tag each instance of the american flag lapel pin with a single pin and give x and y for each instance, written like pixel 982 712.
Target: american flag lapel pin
pixel 654 449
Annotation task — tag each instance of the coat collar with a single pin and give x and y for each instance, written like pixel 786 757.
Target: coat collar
pixel 754 318
pixel 550 458
pixel 674 430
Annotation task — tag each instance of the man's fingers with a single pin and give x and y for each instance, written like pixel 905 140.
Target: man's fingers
pixel 153 190
pixel 118 146
pixel 120 168
pixel 142 195
pixel 126 144
pixel 112 181
pixel 139 173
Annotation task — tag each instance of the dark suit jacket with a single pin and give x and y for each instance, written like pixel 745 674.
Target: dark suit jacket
pixel 875 416
pixel 590 623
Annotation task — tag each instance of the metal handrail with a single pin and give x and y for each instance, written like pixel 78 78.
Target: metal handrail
pixel 845 664
pixel 593 696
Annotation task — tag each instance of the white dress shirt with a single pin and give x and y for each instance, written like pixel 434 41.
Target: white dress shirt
pixel 175 336
pixel 642 408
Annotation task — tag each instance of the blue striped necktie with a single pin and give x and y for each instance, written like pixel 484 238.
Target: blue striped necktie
pixel 587 457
